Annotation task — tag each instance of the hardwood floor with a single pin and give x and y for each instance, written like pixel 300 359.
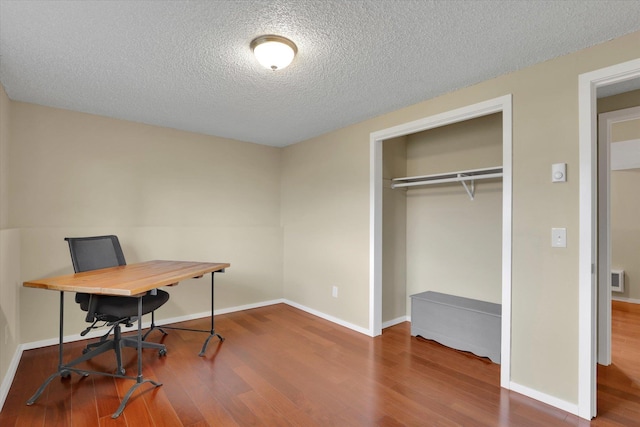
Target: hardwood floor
pixel 619 383
pixel 280 366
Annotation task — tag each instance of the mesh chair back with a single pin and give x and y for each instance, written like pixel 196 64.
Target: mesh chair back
pixel 93 253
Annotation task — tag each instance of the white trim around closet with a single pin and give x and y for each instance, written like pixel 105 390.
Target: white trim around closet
pixel 501 104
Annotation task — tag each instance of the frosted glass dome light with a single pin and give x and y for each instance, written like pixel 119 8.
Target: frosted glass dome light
pixel 274 52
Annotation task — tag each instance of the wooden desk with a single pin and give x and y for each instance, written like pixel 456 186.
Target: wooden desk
pixel 133 280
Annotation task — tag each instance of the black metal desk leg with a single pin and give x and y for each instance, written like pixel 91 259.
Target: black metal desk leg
pixel 61 331
pixel 212 332
pixel 61 372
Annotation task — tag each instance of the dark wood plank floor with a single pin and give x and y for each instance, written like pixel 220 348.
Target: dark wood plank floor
pixel 280 366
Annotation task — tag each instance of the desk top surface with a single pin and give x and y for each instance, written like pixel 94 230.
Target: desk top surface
pixel 128 280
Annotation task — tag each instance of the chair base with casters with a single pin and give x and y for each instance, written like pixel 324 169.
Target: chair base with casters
pixel 116 344
pixel 122 311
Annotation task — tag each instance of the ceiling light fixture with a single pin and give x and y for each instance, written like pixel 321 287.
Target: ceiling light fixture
pixel 274 52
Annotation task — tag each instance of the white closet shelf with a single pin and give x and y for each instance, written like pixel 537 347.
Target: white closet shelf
pixel 443 178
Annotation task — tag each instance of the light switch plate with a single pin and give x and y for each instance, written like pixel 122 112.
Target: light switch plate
pixel 559 237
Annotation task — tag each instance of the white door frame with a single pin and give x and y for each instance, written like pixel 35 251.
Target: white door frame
pixel 501 104
pixel 588 83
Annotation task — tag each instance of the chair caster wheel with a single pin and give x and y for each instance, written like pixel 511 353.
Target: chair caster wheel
pixel 65 374
pixel 162 352
pixel 121 371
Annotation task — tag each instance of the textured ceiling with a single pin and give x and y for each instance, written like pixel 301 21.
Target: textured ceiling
pixel 187 64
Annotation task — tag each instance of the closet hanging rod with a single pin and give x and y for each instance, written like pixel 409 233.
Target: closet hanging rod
pixel 461 178
pixel 443 178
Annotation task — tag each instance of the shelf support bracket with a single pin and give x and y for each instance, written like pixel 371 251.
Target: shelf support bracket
pixel 471 192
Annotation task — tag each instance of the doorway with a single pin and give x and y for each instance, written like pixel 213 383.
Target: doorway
pixel 622 156
pixel 588 274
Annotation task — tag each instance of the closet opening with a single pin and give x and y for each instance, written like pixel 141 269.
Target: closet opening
pixel 441 214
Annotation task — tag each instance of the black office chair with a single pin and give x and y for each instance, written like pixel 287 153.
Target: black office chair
pixel 93 253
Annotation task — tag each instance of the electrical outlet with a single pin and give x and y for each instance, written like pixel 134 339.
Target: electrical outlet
pixel 334 292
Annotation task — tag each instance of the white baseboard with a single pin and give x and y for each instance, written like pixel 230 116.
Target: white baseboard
pixel 545 398
pixel 625 299
pixel 245 307
pixel 328 317
pixel 11 373
pixel 395 321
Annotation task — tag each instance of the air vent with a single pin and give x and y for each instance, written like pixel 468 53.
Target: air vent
pixel 617 280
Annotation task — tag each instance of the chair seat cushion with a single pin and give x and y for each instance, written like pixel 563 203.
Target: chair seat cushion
pixel 112 308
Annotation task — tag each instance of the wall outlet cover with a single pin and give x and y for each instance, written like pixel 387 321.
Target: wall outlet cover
pixel 559 237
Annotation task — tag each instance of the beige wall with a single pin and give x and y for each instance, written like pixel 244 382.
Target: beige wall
pixel 624 131
pixel 454 244
pixel 625 203
pixel 326 212
pixel 9 252
pixel 625 230
pixel 167 194
pixel 618 102
pixel 5 116
pixel 325 219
